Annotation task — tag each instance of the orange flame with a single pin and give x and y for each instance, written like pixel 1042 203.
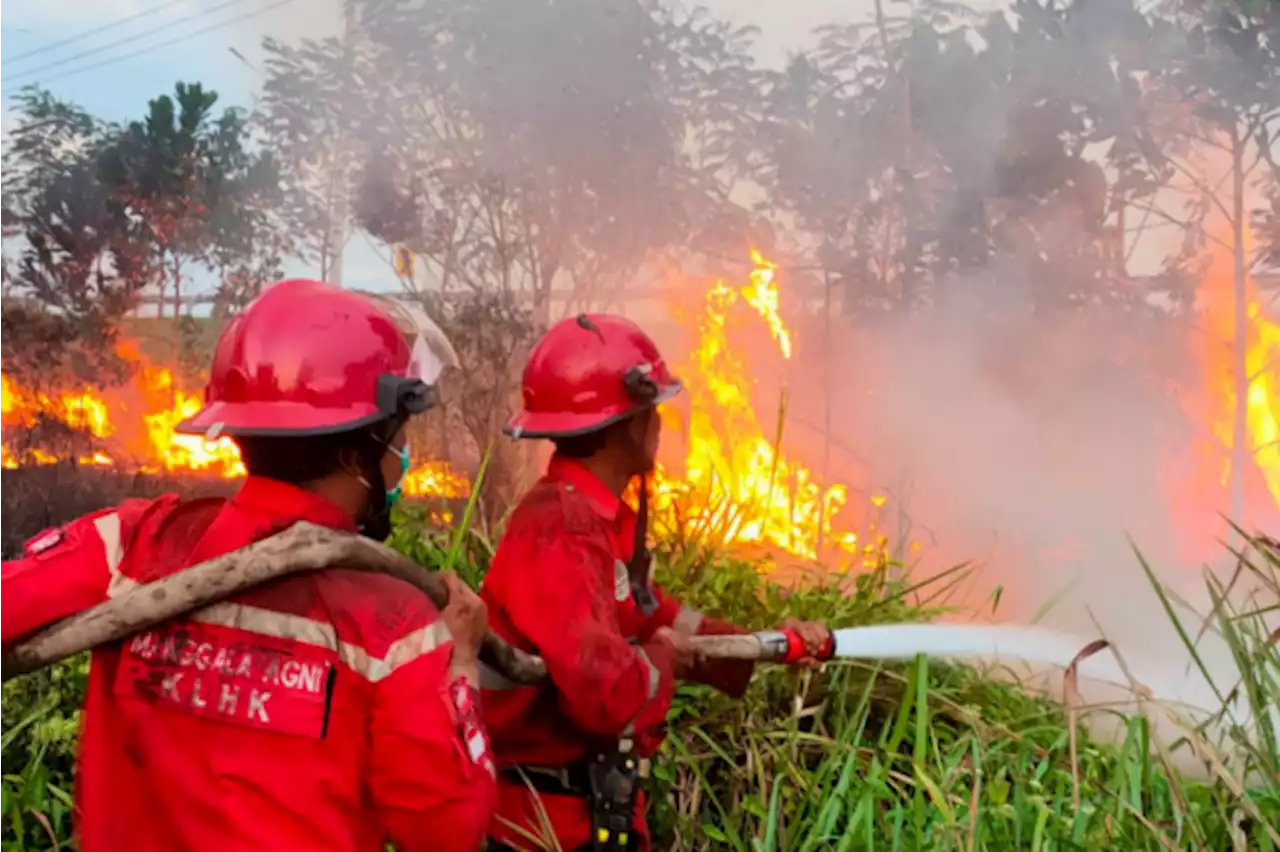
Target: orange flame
pixel 1246 485
pixel 737 486
pixel 436 479
pixel 133 426
pixel 1216 345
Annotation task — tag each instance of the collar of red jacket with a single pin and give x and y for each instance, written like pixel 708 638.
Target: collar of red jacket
pixel 272 497
pixel 578 477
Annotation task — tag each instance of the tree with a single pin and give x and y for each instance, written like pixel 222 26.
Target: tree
pixel 82 256
pixel 311 99
pixel 492 337
pixel 918 151
pixel 1220 65
pixel 80 267
pixel 102 212
pixel 529 147
pixel 206 202
pixel 524 153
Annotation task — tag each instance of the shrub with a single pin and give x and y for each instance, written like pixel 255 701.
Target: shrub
pixel 912 757
pixel 928 756
pixel 38 497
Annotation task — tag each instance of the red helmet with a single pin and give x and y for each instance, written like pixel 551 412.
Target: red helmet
pixel 308 358
pixel 587 372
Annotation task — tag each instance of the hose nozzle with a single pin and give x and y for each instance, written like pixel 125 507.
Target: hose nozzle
pixel 786 646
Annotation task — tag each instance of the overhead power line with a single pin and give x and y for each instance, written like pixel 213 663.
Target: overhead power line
pixel 45 48
pixel 178 40
pixel 168 25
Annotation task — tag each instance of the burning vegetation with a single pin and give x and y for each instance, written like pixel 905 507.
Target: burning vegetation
pixel 973 206
pixel 1238 348
pixel 737 484
pixel 131 428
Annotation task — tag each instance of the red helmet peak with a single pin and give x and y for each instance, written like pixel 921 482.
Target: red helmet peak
pixel 308 358
pixel 587 372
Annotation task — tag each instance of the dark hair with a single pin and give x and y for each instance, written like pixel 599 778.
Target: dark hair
pixel 299 460
pixel 586 446
pixel 582 446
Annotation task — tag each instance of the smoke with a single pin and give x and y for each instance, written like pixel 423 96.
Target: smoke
pixel 785 28
pixel 1044 447
pixel 1027 450
pixel 1014 444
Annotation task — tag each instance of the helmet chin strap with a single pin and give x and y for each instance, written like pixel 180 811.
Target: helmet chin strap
pixel 640 565
pixel 376 522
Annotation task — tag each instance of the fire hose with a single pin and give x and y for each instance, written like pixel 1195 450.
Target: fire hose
pixel 308 547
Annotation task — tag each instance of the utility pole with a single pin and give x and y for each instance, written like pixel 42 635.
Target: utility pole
pixel 340 178
pixel 826 407
pixel 1242 450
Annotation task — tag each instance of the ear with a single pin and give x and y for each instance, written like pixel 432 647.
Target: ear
pixel 349 462
pixel 638 425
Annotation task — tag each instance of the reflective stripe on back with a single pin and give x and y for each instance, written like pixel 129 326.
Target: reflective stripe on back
pixel 319 634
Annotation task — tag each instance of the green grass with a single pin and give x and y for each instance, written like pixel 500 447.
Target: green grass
pixel 41 716
pixel 930 756
pixel 902 757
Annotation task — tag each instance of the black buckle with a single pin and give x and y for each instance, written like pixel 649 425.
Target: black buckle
pixel 397 395
pixel 615 787
pixel 568 780
pixel 640 385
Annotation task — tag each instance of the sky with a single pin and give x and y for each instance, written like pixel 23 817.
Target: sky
pixel 112 56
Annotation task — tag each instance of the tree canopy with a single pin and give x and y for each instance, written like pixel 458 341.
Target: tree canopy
pixel 540 152
pixel 583 146
pixel 102 212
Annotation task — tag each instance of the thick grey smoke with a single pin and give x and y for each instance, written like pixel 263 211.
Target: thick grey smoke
pixel 786 26
pixel 1034 447
pixel 1016 446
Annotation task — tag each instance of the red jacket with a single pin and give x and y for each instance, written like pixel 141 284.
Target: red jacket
pixel 316 712
pixel 558 587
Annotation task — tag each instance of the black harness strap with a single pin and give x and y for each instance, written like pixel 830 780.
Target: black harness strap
pixel 571 780
pixel 641 561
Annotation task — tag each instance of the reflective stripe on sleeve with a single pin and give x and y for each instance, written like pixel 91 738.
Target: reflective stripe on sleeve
pixel 655 676
pixel 108 529
pixel 688 621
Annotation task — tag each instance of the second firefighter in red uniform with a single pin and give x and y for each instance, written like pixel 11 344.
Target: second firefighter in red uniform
pixel 570 581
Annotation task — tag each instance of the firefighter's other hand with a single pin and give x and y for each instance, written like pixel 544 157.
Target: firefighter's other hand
pixel 814 636
pixel 466 617
pixel 685 655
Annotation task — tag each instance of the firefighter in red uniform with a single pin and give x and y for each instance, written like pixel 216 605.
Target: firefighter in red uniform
pixel 335 710
pixel 570 581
